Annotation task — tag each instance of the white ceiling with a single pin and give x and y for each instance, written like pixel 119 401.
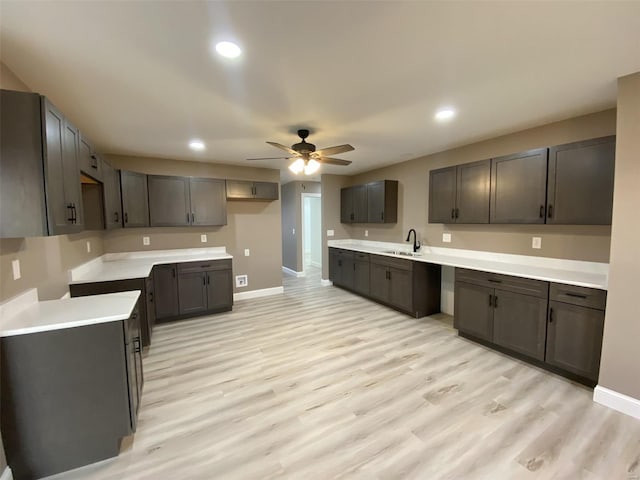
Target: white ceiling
pixel 140 77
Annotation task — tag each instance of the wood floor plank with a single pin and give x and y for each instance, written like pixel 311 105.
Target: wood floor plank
pixel 319 383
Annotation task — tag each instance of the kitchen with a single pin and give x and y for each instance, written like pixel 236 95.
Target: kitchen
pixel 256 225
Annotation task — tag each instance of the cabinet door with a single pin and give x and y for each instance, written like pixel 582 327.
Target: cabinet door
pixel 379 282
pixel 375 201
pixel 59 211
pixel 208 201
pixel 265 190
pixel 360 205
pixel 346 205
pixel 239 189
pixel 88 162
pixel 442 195
pixel 219 289
pixel 168 201
pixel 361 277
pixel 473 310
pixel 135 206
pixel 71 175
pixel 520 323
pixel 165 284
pixel 473 193
pixel 192 293
pixel 334 266
pixel 574 339
pixel 401 289
pixel 347 272
pixel 518 187
pixel 112 201
pixel 580 188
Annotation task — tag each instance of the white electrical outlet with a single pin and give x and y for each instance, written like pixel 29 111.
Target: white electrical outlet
pixel 293 231
pixel 15 266
pixel 242 281
pixel 146 241
pixel 246 252
pixel 366 233
pixel 446 237
pixel 536 242
pixel 330 233
pixel 88 246
pixel 203 238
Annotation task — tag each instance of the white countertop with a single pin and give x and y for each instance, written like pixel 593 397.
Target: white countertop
pixel 569 272
pixel 25 314
pixel 121 266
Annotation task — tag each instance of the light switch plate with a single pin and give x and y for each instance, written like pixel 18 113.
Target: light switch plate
pixel 88 246
pixel 242 281
pixel 536 242
pixel 146 241
pixel 446 237
pixel 293 231
pixel 15 266
pixel 366 233
pixel 203 238
pixel 330 233
pixel 246 252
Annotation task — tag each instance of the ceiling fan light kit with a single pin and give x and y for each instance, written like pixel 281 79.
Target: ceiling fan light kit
pixel 307 158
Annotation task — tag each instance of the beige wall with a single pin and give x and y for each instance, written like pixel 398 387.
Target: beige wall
pixel 331 185
pixel 255 225
pixel 292 254
pixel 9 80
pixel 572 242
pixel 620 365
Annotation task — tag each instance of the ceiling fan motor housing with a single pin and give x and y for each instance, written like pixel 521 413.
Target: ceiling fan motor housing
pixel 304 147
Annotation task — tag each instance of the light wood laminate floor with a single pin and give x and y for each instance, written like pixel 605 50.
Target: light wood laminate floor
pixel 319 383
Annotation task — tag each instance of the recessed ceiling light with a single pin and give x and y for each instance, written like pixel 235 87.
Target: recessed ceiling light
pixel 196 145
pixel 228 49
pixel 445 114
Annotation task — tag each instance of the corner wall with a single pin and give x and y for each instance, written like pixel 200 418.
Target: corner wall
pixel 620 365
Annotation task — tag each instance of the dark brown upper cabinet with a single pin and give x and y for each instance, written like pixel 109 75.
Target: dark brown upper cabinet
pixel 112 197
pixel 135 206
pixel 353 204
pixel 519 187
pixel 248 190
pixel 89 161
pixel 184 201
pixel 460 194
pixel 382 201
pixel 39 161
pixel 580 186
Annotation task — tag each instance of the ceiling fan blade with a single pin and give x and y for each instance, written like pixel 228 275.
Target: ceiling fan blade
pixel 333 150
pixel 332 161
pixel 269 158
pixel 286 149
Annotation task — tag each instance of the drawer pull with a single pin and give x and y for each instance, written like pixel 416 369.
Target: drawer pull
pixel 493 280
pixel 575 295
pixel 205 266
pixel 495 301
pixel 490 300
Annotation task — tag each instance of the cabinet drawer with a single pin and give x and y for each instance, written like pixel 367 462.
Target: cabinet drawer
pixel 361 257
pixel 581 296
pixel 341 253
pixel 399 263
pixel 190 267
pixel 526 286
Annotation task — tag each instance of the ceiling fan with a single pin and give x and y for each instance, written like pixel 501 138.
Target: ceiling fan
pixel 307 158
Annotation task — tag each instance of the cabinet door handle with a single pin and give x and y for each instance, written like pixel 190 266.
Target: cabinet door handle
pixel 136 345
pixel 495 301
pixel 204 279
pixel 551 315
pixel 187 218
pixel 575 295
pixel 94 163
pixel 457 212
pixel 381 215
pixel 208 279
pixel 70 208
pixel 193 218
pixel 116 216
pixel 126 217
pixel 151 296
pixel 75 213
pixel 541 211
pixel 205 266
pixel 453 213
pixel 490 300
pixel 550 211
pixel 493 280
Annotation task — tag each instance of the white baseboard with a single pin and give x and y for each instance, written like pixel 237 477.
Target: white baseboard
pixel 7 474
pixel 264 292
pixel 617 401
pixel 325 283
pixel 289 271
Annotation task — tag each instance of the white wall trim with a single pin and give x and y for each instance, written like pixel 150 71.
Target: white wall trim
pixel 264 292
pixel 617 401
pixel 7 474
pixel 289 271
pixel 325 283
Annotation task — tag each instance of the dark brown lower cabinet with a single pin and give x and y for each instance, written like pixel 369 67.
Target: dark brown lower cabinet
pixel 412 287
pixel 165 282
pixel 146 306
pixel 555 326
pixel 69 395
pixel 204 287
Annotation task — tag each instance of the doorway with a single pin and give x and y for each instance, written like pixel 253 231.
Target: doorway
pixel 311 231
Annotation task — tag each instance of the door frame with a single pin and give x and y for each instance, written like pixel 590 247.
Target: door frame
pixel 302 198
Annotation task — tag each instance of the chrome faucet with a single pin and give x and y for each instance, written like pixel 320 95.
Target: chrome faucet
pixel 416 243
